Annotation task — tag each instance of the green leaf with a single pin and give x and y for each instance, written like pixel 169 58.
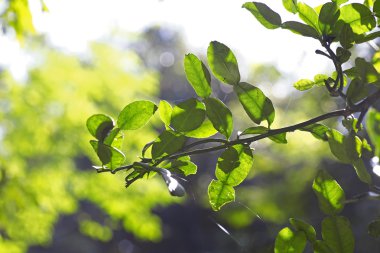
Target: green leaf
pixel 317 130
pixel 308 229
pixel 279 138
pixel 290 5
pixel 337 233
pixel 223 63
pixel 343 54
pixel 114 138
pixel 197 75
pixel 265 15
pixel 362 172
pixel 99 125
pixel 376 8
pixel 366 70
pixel 168 142
pixel 346 148
pixel 135 115
pixel 330 195
pixel 319 79
pixel 219 115
pixel 339 2
pixel 345 35
pixel 350 123
pixel 374 228
pixel 373 129
pixel 303 84
pixel 188 115
pixel 308 15
pixel 220 194
pixel 182 165
pixel 255 103
pixel 203 131
pixel 109 156
pixel 299 28
pixel 328 16
pixel 321 247
pixel 288 241
pixel 234 164
pixel 359 17
pixel 357 91
pixel 165 111
pixel 255 130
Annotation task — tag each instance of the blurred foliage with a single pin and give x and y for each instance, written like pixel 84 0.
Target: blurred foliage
pixel 44 151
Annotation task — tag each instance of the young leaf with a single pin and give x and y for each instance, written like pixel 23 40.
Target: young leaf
pixel 317 130
pixel 182 165
pixel 188 115
pixel 362 172
pixel 220 194
pixel 374 228
pixel 308 229
pixel 328 15
pixel 337 233
pixel 373 129
pixel 219 115
pixel 290 5
pixel 265 15
pixel 308 14
pixel 197 75
pixel 255 103
pixel 330 195
pixel 136 115
pixel 288 241
pixel 299 28
pixel 359 17
pixel 165 111
pixel 167 143
pixel 99 125
pixel 205 130
pixel 223 63
pixel 109 156
pixel 303 84
pixel 234 164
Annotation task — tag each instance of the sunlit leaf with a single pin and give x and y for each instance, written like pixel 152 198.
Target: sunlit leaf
pixel 346 148
pixel 290 5
pixel 188 115
pixel 328 15
pixel 219 115
pixel 109 156
pixel 165 111
pixel 255 103
pixel 288 241
pixel 330 195
pixel 304 84
pixel 374 228
pixel 182 165
pixel 205 130
pixel 99 125
pixel 308 14
pixel 265 15
pixel 308 229
pixel 358 16
pixel 373 129
pixel 197 75
pixel 362 172
pixel 366 70
pixel 279 138
pixel 337 233
pixel 317 130
pixel 339 2
pixel 223 63
pixel 167 143
pixel 300 28
pixel 114 138
pixel 135 115
pixel 220 194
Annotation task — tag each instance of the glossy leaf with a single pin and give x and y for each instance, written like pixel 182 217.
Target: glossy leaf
pixel 99 125
pixel 358 16
pixel 328 15
pixel 167 143
pixel 265 15
pixel 300 28
pixel 197 75
pixel 219 115
pixel 330 195
pixel 373 129
pixel 290 5
pixel 288 241
pixel 109 156
pixel 346 148
pixel 188 115
pixel 205 130
pixel 182 165
pixel 165 111
pixel 374 228
pixel 337 233
pixel 223 63
pixel 255 103
pixel 362 172
pixel 308 15
pixel 234 164
pixel 135 115
pixel 317 130
pixel 308 229
pixel 220 194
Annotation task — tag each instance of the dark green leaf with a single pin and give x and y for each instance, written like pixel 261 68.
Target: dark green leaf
pixel 255 103
pixel 345 34
pixel 255 130
pixel 328 15
pixel 220 194
pixel 358 16
pixel 366 70
pixel 376 8
pixel 223 63
pixel 182 165
pixel 265 15
pixel 308 229
pixel 219 115
pixel 188 115
pixel 197 75
pixel 308 14
pixel 350 123
pixel 317 130
pixel 109 156
pixel 99 125
pixel 373 129
pixel 330 195
pixel 362 172
pixel 203 131
pixel 374 228
pixel 299 28
pixel 288 241
pixel 290 5
pixel 321 247
pixel 279 138
pixel 367 37
pixel 343 54
pixel 167 143
pixel 356 91
pixel 136 115
pixel 346 148
pixel 165 111
pixel 337 233
pixel 234 164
